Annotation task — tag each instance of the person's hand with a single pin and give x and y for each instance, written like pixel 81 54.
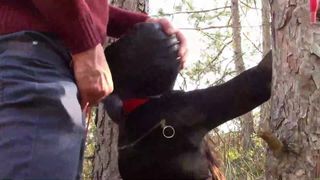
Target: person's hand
pixel 92 75
pixel 170 30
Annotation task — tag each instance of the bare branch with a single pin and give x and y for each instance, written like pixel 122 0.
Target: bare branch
pixel 254 45
pixel 218 27
pixel 248 6
pixel 210 64
pixel 194 12
pixel 206 28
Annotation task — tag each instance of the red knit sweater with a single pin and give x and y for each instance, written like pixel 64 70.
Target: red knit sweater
pixel 81 24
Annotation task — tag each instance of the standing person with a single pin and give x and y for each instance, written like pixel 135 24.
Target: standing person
pixel 41 95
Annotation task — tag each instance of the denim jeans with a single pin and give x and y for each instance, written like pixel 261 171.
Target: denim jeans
pixel 41 125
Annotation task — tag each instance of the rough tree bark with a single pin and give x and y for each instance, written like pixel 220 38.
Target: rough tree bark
pixel 247 119
pixel 106 155
pixel 295 109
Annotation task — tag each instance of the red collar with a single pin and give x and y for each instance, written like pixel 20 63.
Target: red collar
pixel 132 104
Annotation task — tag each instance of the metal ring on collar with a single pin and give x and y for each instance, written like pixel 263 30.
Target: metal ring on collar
pixel 168 132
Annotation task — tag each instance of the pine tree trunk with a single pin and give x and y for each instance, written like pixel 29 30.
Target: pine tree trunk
pixel 295 102
pixel 106 153
pixel 247 119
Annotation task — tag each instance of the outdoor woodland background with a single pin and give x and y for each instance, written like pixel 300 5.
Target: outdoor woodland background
pixel 279 140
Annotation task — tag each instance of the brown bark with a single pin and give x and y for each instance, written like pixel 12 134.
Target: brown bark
pixel 295 113
pixel 106 153
pixel 247 119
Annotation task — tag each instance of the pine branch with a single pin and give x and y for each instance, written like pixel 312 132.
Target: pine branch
pixel 206 28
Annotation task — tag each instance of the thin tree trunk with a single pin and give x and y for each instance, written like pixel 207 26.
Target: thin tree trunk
pixel 264 127
pixel 295 110
pixel 247 119
pixel 266 27
pixel 266 45
pixel 106 152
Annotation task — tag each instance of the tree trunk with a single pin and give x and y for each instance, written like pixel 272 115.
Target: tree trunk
pixel 247 119
pixel 264 127
pixel 266 27
pixel 106 152
pixel 295 109
pixel 266 45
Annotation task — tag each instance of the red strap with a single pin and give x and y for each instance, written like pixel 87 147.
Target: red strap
pixel 132 104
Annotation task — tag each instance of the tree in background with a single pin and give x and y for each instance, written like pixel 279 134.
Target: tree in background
pixel 266 46
pixel 266 27
pixel 264 130
pixel 247 119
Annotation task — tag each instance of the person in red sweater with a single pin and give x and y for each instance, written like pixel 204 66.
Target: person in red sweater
pixel 41 95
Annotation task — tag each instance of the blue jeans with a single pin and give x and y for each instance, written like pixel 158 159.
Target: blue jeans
pixel 41 125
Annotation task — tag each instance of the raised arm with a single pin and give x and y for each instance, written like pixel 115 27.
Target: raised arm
pixel 235 97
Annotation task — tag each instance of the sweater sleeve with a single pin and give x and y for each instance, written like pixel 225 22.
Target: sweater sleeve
pixel 81 26
pixel 121 20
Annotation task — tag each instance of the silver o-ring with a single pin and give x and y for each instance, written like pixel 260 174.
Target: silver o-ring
pixel 168 136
